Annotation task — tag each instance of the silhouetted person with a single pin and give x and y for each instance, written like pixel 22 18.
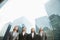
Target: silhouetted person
pixel 32 35
pixel 14 34
pixel 42 34
pixel 23 35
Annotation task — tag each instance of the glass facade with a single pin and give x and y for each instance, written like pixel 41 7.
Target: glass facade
pixel 45 24
pixel 55 22
pixel 2 2
pixel 7 31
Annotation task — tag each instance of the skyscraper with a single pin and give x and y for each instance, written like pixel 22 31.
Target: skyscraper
pixel 44 23
pixel 7 31
pixel 55 22
pixel 2 2
pixel 37 29
pixel 53 11
pixel 53 7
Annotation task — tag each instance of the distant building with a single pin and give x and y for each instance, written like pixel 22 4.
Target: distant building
pixel 37 29
pixel 6 33
pixel 21 22
pixel 49 33
pixel 55 22
pixel 5 30
pixel 53 11
pixel 2 2
pixel 53 7
pixel 43 22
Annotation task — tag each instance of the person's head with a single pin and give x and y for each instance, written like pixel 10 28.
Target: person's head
pixel 15 28
pixel 23 29
pixel 32 30
pixel 41 29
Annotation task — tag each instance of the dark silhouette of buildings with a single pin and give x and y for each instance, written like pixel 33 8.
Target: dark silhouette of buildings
pixel 1 1
pixel 7 31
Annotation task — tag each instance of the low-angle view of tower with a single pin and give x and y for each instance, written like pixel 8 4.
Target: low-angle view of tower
pixel 53 10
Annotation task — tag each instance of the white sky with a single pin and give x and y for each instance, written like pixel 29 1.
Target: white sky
pixel 13 9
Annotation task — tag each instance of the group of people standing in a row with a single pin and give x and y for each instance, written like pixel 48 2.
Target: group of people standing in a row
pixel 14 35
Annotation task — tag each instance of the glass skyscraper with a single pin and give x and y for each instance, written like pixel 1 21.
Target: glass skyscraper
pixel 55 22
pixel 53 11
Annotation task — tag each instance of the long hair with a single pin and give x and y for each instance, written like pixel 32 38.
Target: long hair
pixel 40 30
pixel 23 29
pixel 15 29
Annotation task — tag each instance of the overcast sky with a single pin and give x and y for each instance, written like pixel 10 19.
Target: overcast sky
pixel 13 9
